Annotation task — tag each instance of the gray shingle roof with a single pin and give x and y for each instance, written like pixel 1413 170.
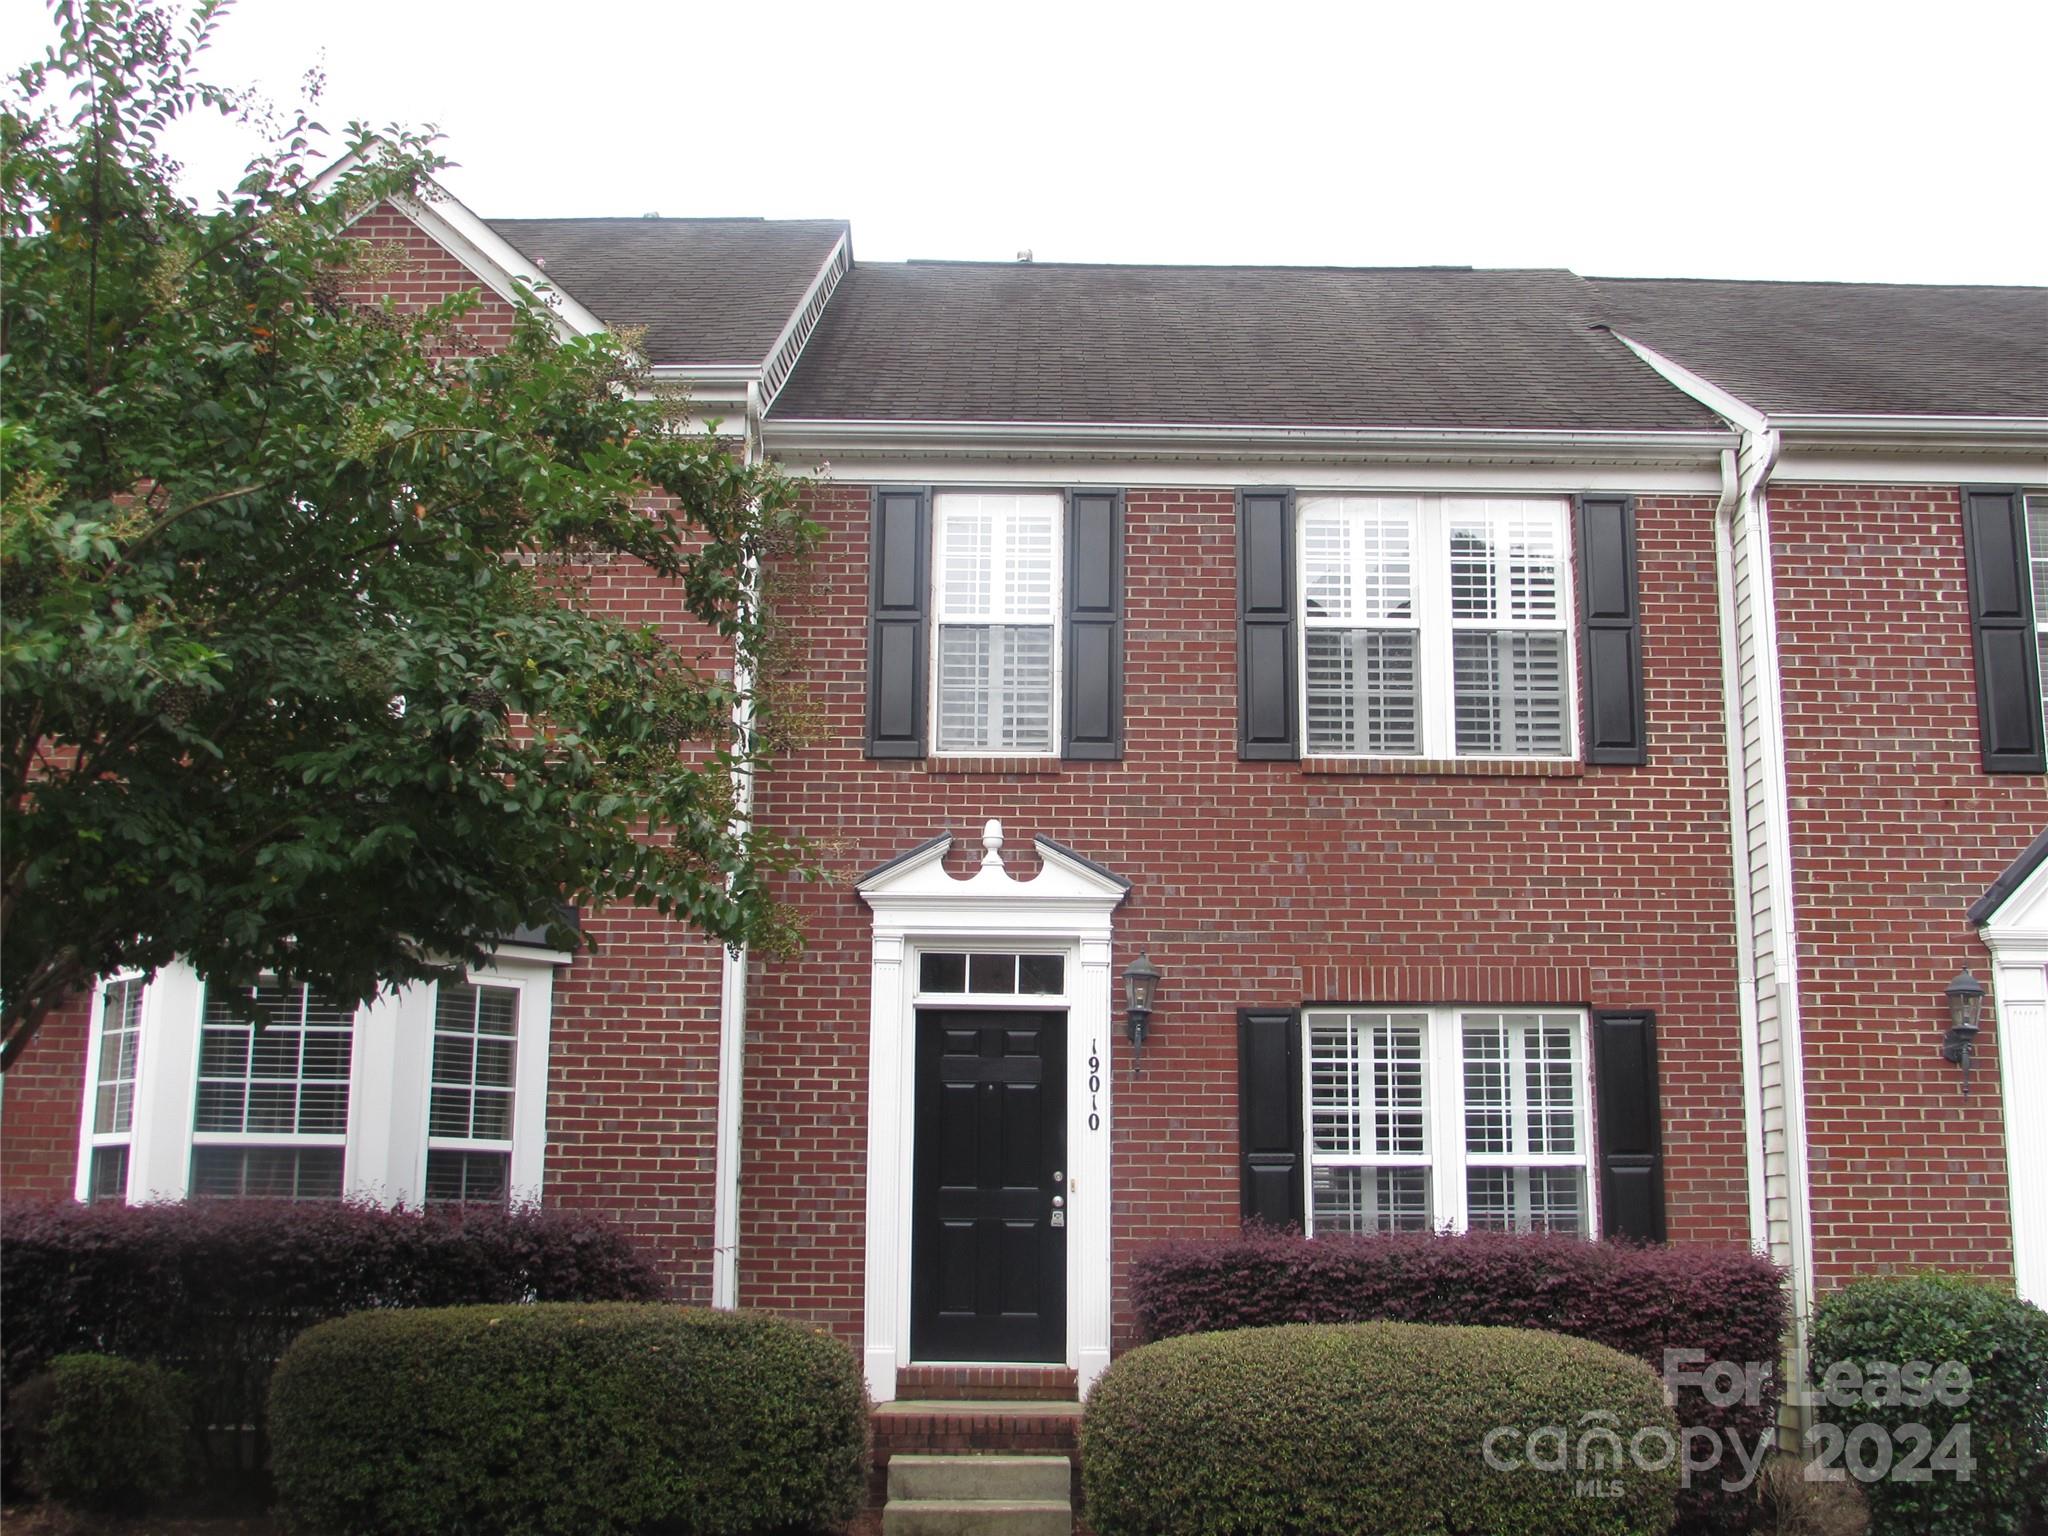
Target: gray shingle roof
pixel 707 290
pixel 1299 346
pixel 1847 348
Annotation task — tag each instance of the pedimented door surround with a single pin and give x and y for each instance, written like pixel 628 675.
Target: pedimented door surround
pixel 1065 909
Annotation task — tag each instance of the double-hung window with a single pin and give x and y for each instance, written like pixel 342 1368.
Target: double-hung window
pixel 271 1116
pixel 1425 1118
pixel 997 600
pixel 110 1113
pixel 469 1109
pixel 1436 626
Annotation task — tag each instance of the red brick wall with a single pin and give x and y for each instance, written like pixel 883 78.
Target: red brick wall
pixel 40 1101
pixel 420 272
pixel 1256 883
pixel 633 1060
pixel 1896 829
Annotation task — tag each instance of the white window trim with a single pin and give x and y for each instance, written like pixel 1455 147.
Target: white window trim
pixel 391 1063
pixel 1443 1111
pixel 999 616
pixel 1434 626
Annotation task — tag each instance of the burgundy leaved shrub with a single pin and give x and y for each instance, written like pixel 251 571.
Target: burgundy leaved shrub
pixel 217 1289
pixel 1723 1304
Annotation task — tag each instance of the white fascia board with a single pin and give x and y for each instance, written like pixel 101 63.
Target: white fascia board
pixel 500 265
pixel 494 259
pixel 803 320
pixel 1704 390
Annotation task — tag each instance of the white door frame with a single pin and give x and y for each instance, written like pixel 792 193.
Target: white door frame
pixel 2017 932
pixel 1065 907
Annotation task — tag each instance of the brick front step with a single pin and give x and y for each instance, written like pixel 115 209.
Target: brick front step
pixel 940 1427
pixel 978 1517
pixel 933 1426
pixel 998 1383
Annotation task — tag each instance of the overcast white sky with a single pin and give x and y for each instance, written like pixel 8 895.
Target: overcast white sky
pixel 1873 141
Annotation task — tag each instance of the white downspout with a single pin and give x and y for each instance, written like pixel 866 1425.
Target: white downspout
pixel 732 979
pixel 1760 453
pixel 1756 459
pixel 1725 512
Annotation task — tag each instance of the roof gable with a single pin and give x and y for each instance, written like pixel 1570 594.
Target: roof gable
pixel 705 292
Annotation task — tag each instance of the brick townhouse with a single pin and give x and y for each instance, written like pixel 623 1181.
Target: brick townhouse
pixel 1553 741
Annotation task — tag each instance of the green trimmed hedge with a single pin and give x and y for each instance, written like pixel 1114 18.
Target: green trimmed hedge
pixel 106 1434
pixel 1380 1427
pixel 570 1419
pixel 1869 1326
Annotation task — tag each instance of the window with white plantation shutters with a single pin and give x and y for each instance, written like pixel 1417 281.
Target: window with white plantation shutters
pixel 469 1111
pixel 1369 1162
pixel 996 586
pixel 1361 625
pixel 1422 1119
pixel 271 1118
pixel 1436 627
pixel 1525 1153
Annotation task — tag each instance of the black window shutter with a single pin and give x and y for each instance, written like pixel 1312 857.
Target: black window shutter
pixel 1093 723
pixel 1269 1114
pixel 2002 620
pixel 1266 711
pixel 899 590
pixel 1610 630
pixel 1631 1146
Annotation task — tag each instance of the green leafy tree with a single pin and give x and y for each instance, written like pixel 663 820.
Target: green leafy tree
pixel 299 671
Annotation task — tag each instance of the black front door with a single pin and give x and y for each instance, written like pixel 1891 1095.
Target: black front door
pixel 988 1241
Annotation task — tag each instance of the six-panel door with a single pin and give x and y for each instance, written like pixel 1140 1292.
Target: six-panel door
pixel 988 1210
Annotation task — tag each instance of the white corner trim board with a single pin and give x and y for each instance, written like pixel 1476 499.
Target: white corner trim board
pixel 1066 908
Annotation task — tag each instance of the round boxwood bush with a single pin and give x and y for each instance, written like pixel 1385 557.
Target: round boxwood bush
pixel 580 1420
pixel 1392 1428
pixel 106 1434
pixel 1872 1342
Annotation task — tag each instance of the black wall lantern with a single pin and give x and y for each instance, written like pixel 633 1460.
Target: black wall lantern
pixel 1141 984
pixel 1959 1040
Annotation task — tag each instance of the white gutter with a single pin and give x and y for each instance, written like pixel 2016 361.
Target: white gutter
pixel 795 435
pixel 1999 429
pixel 732 962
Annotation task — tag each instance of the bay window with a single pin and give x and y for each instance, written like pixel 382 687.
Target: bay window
pixel 433 1093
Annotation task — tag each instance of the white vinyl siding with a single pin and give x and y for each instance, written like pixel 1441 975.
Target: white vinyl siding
pixel 1436 627
pixel 997 596
pixel 2037 567
pixel 1425 1119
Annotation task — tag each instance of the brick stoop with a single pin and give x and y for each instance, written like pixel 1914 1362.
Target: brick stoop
pixel 1001 1383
